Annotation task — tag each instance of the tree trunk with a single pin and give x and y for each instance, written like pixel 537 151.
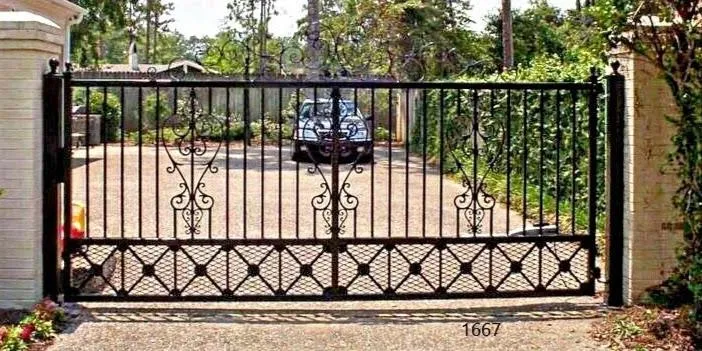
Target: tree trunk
pixel 148 32
pixel 313 37
pixel 155 45
pixel 507 36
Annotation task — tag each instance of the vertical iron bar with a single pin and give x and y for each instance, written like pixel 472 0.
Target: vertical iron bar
pixel 492 117
pixel 280 163
pixel 442 130
pixel 372 181
pixel 263 162
pixel 424 163
pixel 476 135
pixel 574 158
pixel 121 161
pixel 592 177
pixel 458 122
pixel 226 181
pixel 407 157
pixel 87 163
pixel 175 111
pixel 558 161
pixel 157 120
pixel 192 186
pixel 140 116
pixel 616 107
pixel 209 114
pixel 541 162
pixel 297 164
pixel 509 160
pixel 355 162
pixel 104 162
pixel 525 151
pixel 245 157
pixel 335 222
pixel 67 179
pixel 390 126
pixel 316 162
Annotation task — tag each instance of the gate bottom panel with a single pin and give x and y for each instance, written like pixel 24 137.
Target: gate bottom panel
pixel 192 270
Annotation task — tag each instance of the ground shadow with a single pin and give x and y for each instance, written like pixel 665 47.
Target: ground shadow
pixel 515 313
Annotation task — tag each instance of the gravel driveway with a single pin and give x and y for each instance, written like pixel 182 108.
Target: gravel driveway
pixel 526 324
pixel 279 199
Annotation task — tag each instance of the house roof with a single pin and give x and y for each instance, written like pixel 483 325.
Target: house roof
pixel 157 68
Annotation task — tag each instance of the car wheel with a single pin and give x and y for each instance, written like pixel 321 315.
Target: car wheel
pixel 298 155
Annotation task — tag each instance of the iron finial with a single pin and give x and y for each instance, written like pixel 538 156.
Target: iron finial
pixel 53 65
pixel 615 67
pixel 69 67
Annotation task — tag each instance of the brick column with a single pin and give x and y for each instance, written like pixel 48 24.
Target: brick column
pixel 27 42
pixel 651 225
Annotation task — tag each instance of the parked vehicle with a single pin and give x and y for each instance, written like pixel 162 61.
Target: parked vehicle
pixel 313 135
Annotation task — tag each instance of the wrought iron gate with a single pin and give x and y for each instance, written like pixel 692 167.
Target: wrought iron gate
pixel 239 189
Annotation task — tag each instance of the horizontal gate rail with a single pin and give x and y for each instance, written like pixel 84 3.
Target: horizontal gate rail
pixel 365 84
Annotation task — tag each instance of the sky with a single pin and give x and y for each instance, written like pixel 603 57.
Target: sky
pixel 205 17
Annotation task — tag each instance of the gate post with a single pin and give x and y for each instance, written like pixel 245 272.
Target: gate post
pixel 615 177
pixel 50 210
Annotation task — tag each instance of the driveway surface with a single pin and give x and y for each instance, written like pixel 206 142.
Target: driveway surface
pixel 264 194
pixel 526 324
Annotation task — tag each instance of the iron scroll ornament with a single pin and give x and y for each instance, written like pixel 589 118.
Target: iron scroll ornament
pixel 325 131
pixel 475 203
pixel 192 149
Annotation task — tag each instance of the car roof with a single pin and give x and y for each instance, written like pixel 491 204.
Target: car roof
pixel 309 101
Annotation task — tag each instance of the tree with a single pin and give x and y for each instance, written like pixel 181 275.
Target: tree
pixel 538 30
pixel 313 37
pixel 507 35
pixel 249 25
pixel 403 38
pixel 150 15
pixel 89 38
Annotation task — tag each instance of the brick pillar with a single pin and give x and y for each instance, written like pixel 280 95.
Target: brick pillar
pixel 651 225
pixel 27 42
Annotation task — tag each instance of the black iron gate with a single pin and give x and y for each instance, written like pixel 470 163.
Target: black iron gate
pixel 238 189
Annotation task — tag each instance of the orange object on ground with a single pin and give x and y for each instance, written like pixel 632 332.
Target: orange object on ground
pixel 77 224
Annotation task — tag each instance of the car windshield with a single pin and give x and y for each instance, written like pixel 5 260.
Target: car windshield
pixel 346 108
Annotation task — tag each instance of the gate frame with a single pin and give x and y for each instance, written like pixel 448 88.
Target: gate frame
pixel 57 170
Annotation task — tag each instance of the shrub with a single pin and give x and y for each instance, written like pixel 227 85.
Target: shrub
pixel 164 109
pixel 525 163
pixel 381 134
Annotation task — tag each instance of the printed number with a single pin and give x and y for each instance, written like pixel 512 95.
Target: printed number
pixel 482 329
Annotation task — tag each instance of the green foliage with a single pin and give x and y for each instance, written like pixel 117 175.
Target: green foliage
pixel 624 328
pixel 38 326
pixel 102 18
pixel 381 134
pixel 529 160
pixel 150 113
pixel 12 341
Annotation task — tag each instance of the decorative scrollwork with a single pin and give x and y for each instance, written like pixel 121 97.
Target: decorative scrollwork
pixel 475 203
pixel 192 156
pixel 330 54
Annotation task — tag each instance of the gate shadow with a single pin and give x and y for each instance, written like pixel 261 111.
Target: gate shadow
pixel 515 313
